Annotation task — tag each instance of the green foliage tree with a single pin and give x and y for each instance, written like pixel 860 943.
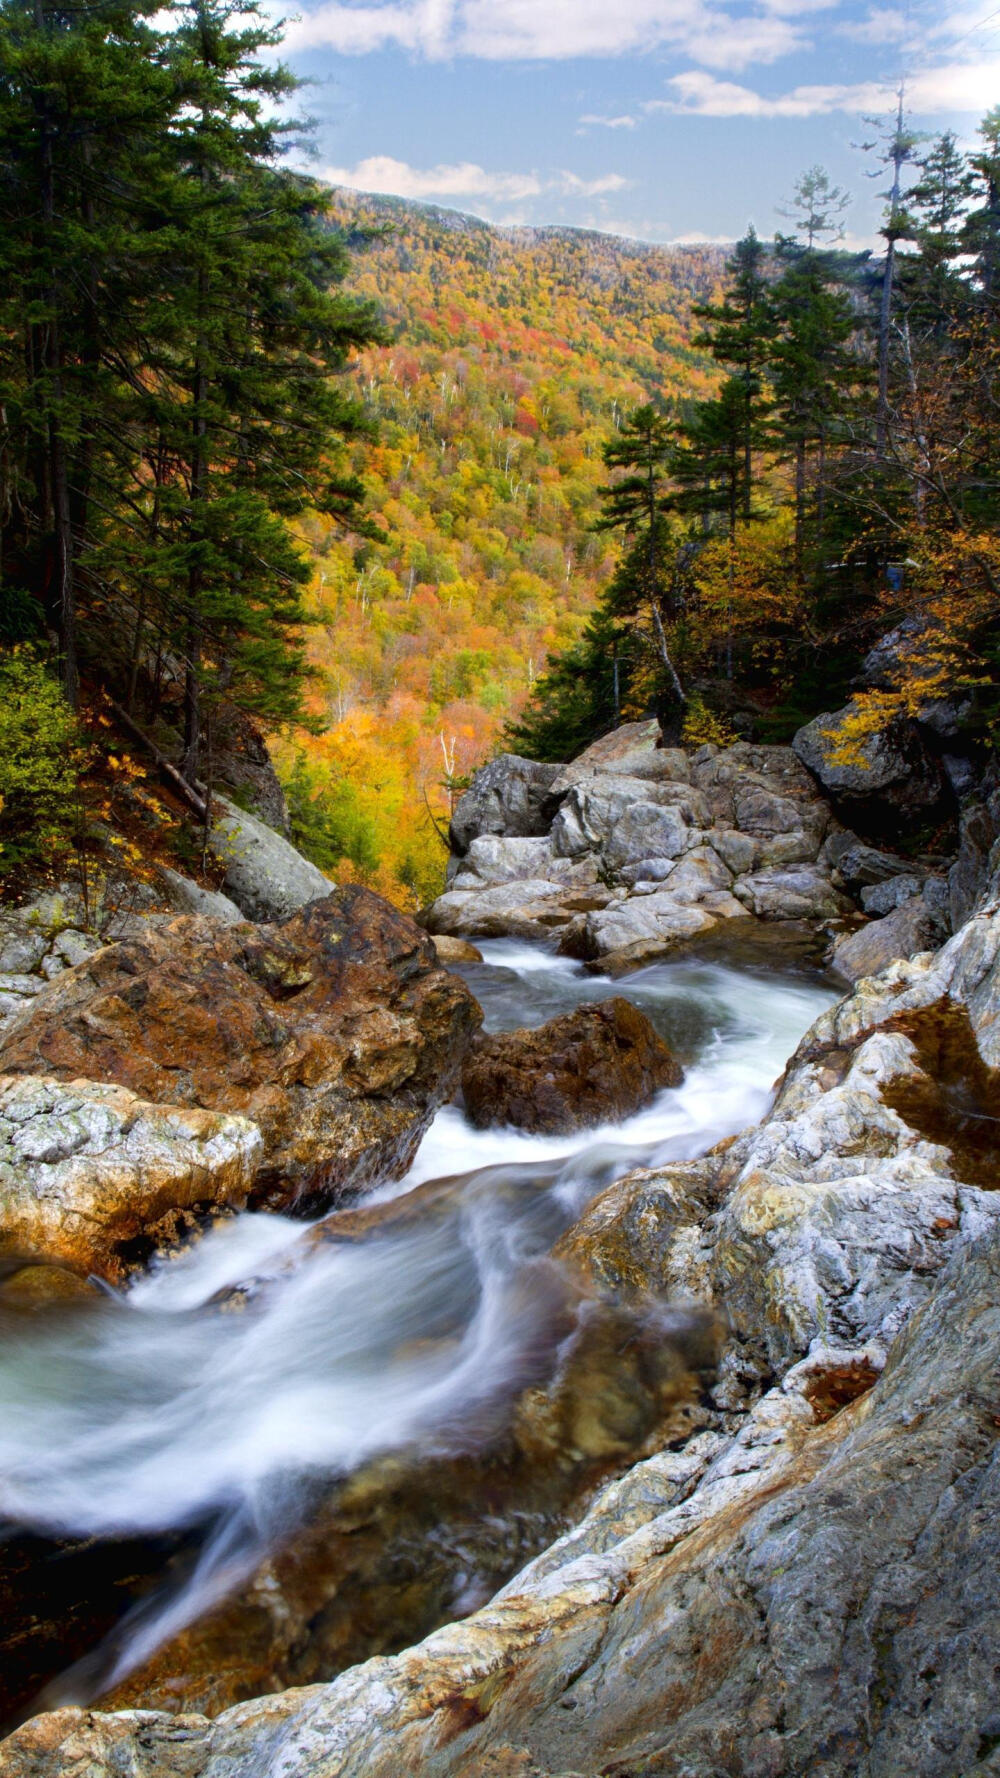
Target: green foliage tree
pixel 40 750
pixel 871 444
pixel 981 230
pixel 84 111
pixel 579 696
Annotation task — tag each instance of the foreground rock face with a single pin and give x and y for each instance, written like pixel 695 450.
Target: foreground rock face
pixel 803 1609
pixel 810 1582
pixel 336 1034
pixel 593 1065
pixel 92 1177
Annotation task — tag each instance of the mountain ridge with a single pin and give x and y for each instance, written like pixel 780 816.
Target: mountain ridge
pixel 450 217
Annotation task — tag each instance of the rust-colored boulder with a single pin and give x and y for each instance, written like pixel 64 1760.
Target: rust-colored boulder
pixel 338 1034
pixel 596 1064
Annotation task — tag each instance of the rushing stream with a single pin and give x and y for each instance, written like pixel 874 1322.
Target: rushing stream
pixel 263 1358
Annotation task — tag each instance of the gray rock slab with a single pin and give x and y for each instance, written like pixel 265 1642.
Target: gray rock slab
pixel 266 877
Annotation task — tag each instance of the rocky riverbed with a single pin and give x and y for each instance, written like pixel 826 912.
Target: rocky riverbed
pixel 765 1376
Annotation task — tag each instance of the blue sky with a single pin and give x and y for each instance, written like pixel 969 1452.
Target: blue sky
pixel 664 119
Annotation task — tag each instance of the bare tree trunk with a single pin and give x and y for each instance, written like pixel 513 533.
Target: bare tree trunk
pixel 192 687
pixel 800 501
pixel 665 654
pixel 60 581
pixel 898 155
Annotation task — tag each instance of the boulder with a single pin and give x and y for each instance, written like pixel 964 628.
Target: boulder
pixel 739 851
pixel 529 909
pixel 645 831
pixel 92 1177
pixel 800 846
pixel 862 866
pixel 590 813
pixel 337 1034
pixel 594 1065
pixel 265 876
pixel 504 798
pixel 628 933
pixel 15 993
pixel 455 950
pixel 910 928
pixel 760 811
pixel 490 860
pixel 643 1234
pixel 698 875
pixel 634 750
pixel 890 780
pixel 803 893
pixel 779 766
pixel 884 898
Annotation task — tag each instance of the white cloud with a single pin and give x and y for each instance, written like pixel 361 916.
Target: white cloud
pixel 466 179
pixel 884 24
pixel 575 187
pixel 382 173
pixel 624 122
pixel 736 43
pixel 956 86
pixel 696 239
pixel 535 30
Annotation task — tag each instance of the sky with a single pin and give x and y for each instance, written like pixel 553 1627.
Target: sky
pixel 667 120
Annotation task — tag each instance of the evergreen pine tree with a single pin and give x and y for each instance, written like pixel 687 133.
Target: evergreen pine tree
pixel 738 336
pixel 85 106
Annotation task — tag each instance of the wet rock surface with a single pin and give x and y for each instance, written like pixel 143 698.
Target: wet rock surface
pixel 336 1034
pixel 597 1064
pixel 95 1178
pixel 794 1566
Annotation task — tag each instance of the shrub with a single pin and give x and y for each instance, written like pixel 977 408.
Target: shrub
pixel 702 725
pixel 40 757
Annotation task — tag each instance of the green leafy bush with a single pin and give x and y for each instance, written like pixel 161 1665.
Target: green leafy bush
pixel 40 755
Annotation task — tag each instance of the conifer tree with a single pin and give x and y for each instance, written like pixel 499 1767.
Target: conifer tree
pixel 981 231
pixel 85 102
pixel 634 503
pixel 170 332
pixel 812 368
pixel 737 335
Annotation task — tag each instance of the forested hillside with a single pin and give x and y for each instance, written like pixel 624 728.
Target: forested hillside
pixel 514 356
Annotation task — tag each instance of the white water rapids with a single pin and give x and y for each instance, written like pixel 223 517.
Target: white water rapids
pixel 165 1408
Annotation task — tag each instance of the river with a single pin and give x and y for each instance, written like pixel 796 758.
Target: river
pixel 229 1378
